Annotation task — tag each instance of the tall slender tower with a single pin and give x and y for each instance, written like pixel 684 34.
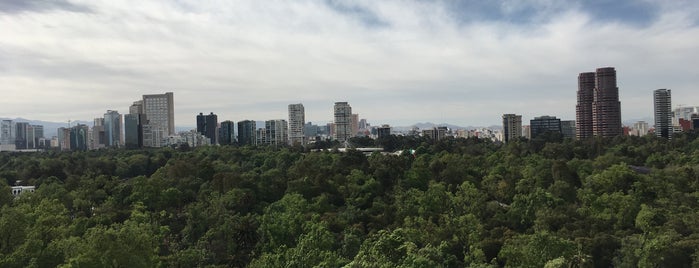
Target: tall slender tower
pixel 297 121
pixel 583 110
pixel 606 108
pixel 207 125
pixel 512 126
pixel 663 113
pixel 343 118
pixel 112 128
pixel 160 113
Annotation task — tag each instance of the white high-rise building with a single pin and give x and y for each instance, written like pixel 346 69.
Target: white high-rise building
pixel 160 114
pixel 343 121
pixel 662 104
pixel 6 133
pixel 297 122
pixel 276 132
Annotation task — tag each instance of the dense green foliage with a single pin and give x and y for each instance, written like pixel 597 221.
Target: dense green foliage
pixel 625 202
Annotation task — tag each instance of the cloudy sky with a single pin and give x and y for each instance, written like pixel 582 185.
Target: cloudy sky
pixel 397 62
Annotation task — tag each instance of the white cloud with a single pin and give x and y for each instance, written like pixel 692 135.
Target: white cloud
pixel 396 62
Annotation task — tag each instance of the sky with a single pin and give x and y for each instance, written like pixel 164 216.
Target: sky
pixel 395 62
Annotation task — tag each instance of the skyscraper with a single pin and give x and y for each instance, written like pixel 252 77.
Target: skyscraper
pixel 354 125
pixel 6 132
pixel 512 127
pixel 343 118
pixel 663 113
pixel 583 110
pixel 226 133
pixel 275 132
pixel 606 108
pixel 133 130
pixel 207 125
pixel 160 114
pixel 246 132
pixel 112 129
pixel 21 135
pixel 297 122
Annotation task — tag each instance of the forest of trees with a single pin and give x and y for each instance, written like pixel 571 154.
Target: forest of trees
pixel 622 202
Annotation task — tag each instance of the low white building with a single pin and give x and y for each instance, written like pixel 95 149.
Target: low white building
pixel 18 190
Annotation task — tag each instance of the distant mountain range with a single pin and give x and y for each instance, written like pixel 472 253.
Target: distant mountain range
pixel 427 125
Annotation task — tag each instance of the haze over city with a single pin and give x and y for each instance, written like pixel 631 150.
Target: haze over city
pixel 395 62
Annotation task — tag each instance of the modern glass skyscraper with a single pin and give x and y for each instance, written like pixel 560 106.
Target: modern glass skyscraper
pixel 226 132
pixel 543 124
pixel 207 125
pixel 297 122
pixel 246 132
pixel 662 104
pixel 112 129
pixel 343 118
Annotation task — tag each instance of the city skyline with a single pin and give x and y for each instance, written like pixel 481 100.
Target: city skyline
pixel 467 61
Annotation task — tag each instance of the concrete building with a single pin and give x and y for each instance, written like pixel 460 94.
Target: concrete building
pixel 606 108
pixel 274 133
pixel 226 133
pixel 7 133
pixel 207 125
pixel 512 127
pixel 354 125
pixel 343 122
pixel 19 190
pixel 247 132
pixel 436 133
pixel 160 114
pixel 640 129
pixel 544 124
pixel 112 129
pixel 568 129
pixel 297 122
pixel 583 110
pixel 383 132
pixel 63 137
pixel 662 108
pixel 97 136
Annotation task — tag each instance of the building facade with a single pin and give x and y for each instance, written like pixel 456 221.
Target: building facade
pixel 133 130
pixel 383 131
pixel 226 133
pixel 606 108
pixel 112 129
pixel 583 110
pixel 297 122
pixel 544 124
pixel 247 132
pixel 512 127
pixel 160 114
pixel 568 129
pixel 343 121
pixel 207 125
pixel 663 113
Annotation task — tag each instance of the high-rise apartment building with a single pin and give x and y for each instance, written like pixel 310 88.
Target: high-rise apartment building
pixel 275 132
pixel 583 110
pixel 297 122
pixel 342 123
pixel 112 128
pixel 384 131
pixel 663 113
pixel 226 133
pixel 6 133
pixel 606 108
pixel 512 127
pixel 544 124
pixel 160 114
pixel 354 125
pixel 246 132
pixel 207 125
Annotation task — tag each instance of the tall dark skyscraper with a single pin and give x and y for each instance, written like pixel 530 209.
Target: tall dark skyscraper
pixel 598 112
pixel 543 124
pixel 226 133
pixel 606 108
pixel 583 110
pixel 663 113
pixel 246 132
pixel 207 125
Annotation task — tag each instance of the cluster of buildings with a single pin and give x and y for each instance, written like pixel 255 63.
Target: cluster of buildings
pixel 598 113
pixel 150 122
